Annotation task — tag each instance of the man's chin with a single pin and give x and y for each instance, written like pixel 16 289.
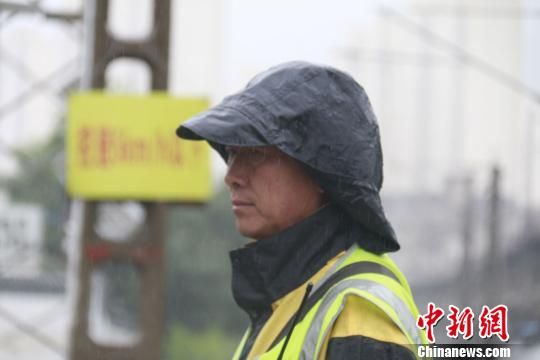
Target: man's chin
pixel 249 231
pixel 250 234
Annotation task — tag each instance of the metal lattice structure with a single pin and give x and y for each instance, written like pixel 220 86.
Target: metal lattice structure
pixel 26 86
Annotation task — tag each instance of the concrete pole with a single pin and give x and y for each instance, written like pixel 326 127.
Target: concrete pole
pixel 145 250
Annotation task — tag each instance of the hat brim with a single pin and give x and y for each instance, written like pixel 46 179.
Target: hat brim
pixel 221 127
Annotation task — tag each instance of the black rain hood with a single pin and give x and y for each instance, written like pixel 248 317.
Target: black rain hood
pixel 321 117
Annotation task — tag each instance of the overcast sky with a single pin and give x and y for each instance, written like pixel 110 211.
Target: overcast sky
pixel 241 37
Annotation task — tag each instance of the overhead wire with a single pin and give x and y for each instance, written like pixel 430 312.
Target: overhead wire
pixel 462 55
pixel 37 87
pixel 494 12
pixel 32 332
pixel 31 328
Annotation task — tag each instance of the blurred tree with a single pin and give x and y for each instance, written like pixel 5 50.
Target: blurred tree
pixel 199 274
pixel 39 182
pixel 210 344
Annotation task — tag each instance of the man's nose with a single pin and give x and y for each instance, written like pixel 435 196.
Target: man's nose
pixel 237 174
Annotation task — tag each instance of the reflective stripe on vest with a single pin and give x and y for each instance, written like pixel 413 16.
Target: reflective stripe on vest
pixel 240 346
pixel 383 285
pixel 333 304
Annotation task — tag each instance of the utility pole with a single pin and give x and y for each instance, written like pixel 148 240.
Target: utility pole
pixel 529 171
pixel 467 212
pixel 145 248
pixel 493 264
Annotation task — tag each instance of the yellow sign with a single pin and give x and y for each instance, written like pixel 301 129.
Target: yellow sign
pixel 125 147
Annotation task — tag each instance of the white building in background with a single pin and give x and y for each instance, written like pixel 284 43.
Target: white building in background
pixel 443 77
pixel 444 113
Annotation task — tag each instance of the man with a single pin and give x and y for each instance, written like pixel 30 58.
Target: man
pixel 304 172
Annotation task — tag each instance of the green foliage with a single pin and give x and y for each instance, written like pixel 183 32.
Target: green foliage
pixel 207 345
pixel 198 267
pixel 38 183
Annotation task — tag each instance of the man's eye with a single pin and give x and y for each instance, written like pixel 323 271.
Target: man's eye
pixel 257 156
pixel 256 152
pixel 251 156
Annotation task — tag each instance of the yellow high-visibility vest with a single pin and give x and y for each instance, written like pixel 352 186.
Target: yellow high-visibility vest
pixel 375 278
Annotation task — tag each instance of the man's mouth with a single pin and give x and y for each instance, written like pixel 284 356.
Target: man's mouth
pixel 241 204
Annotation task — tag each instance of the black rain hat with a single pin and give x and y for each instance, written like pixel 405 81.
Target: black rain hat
pixel 321 117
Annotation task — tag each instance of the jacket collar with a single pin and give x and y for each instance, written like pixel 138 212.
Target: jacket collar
pixel 266 270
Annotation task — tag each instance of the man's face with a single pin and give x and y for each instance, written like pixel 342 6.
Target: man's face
pixel 270 191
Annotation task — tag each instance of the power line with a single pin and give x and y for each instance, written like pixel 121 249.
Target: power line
pixel 36 88
pixel 32 332
pixel 509 13
pixel 34 7
pixel 16 64
pixel 462 55
pixel 42 319
pixel 393 57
